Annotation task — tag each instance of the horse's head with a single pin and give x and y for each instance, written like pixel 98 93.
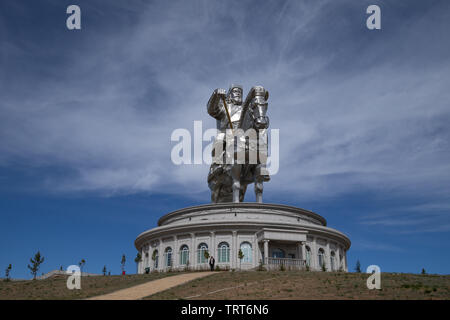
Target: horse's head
pixel 257 108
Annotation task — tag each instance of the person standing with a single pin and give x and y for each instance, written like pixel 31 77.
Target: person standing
pixel 211 263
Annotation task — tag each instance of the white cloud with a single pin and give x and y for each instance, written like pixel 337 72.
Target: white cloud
pixel 107 113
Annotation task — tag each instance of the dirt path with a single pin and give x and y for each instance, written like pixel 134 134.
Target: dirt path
pixel 151 287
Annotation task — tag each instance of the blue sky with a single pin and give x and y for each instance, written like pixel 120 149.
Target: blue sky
pixel 86 118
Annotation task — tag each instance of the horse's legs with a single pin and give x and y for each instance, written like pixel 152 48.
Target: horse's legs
pixel 242 192
pixel 259 190
pixel 259 180
pixel 236 175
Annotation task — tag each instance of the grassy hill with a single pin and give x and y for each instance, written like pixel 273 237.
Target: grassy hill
pixel 55 287
pixel 309 285
pixel 245 285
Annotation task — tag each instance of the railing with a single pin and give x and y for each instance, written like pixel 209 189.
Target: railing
pixel 287 263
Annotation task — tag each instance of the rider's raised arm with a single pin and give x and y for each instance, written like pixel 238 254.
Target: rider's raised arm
pixel 215 104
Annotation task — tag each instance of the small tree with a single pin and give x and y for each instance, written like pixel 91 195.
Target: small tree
pixel 104 270
pixel 206 255
pixel 261 266
pixel 7 271
pixel 60 268
pixel 423 271
pixel 137 260
pixel 324 267
pixel 81 264
pixel 35 264
pixel 122 262
pixel 358 267
pixel 240 256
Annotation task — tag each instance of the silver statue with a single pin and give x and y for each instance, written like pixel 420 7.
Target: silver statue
pixel 228 177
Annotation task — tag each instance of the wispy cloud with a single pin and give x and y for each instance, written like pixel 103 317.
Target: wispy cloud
pixel 362 245
pixel 421 218
pixel 356 110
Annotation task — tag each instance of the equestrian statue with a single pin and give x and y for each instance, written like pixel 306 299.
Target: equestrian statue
pixel 239 154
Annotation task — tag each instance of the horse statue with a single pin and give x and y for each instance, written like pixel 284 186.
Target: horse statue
pixel 240 149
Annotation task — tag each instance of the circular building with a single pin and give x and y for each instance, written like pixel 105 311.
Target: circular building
pixel 270 235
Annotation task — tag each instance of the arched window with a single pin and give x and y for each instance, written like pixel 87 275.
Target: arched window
pixel 155 258
pixel 246 249
pixel 308 256
pixel 224 252
pixel 332 261
pixel 202 248
pixel 184 255
pixel 278 253
pixel 321 257
pixel 168 255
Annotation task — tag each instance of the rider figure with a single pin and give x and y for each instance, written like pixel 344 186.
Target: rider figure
pixel 216 109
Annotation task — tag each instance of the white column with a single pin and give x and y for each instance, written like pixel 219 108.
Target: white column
pixel 345 261
pixel 255 249
pixel 234 251
pixel 328 257
pixel 314 256
pixel 152 262
pixel 150 253
pixel 266 251
pixel 175 261
pixel 192 261
pixel 161 255
pixel 338 256
pixel 212 250
pixel 304 251
pixel 142 263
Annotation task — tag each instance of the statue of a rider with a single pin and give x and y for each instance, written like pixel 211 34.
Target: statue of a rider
pixel 225 176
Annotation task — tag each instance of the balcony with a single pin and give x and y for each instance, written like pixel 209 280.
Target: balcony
pixel 287 263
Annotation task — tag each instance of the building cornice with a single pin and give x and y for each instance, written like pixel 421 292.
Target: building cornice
pixel 230 206
pixel 163 231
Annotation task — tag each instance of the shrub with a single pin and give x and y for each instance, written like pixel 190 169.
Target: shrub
pixel 282 268
pixel 358 267
pixel 8 270
pixel 261 266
